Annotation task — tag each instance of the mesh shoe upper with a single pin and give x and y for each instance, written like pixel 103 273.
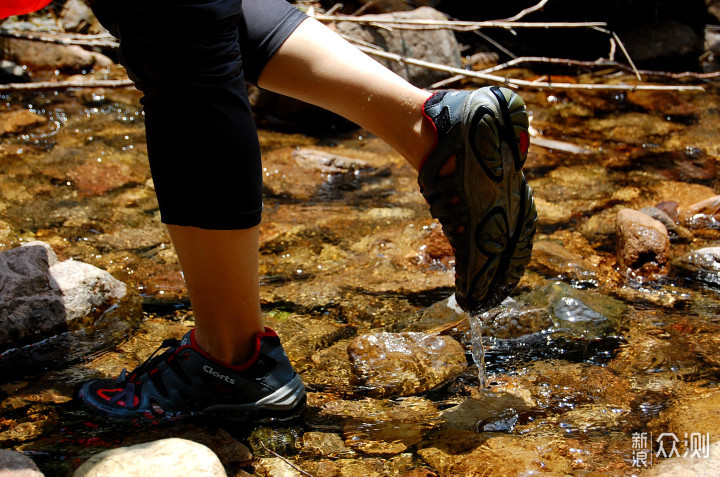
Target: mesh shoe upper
pixel 184 380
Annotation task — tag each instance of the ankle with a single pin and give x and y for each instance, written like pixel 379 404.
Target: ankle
pixel 233 352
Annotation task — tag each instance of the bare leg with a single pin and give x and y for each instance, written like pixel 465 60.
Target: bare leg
pixel 221 273
pixel 317 66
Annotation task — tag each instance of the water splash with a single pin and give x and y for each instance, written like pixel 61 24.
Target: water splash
pixel 478 350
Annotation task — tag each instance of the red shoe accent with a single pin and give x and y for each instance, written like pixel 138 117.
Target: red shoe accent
pixel 524 142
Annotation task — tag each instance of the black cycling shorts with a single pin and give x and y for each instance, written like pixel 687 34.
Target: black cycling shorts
pixel 191 58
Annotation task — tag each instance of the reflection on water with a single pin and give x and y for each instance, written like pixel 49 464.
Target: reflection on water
pixel 580 360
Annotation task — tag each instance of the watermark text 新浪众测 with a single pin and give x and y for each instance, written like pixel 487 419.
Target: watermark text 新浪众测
pixel 647 450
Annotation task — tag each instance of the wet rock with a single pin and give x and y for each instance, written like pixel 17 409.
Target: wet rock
pixel 513 319
pixel 675 230
pixel 47 55
pixel 697 414
pixel 13 122
pixel 15 464
pixel 163 457
pixel 684 194
pixel 490 412
pixel 503 455
pixel 402 364
pixel 553 213
pixel 436 46
pixel 555 260
pixel 702 264
pixel 97 178
pixel 643 245
pixel 373 426
pixel 705 462
pixel 326 444
pixel 703 214
pixel 277 467
pixel 578 313
pixel 302 174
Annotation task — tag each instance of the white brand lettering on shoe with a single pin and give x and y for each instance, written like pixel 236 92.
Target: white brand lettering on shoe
pixel 209 370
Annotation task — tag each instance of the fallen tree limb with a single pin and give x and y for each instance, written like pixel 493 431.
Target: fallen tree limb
pixel 599 63
pixel 453 25
pixel 101 41
pixel 58 85
pixel 518 83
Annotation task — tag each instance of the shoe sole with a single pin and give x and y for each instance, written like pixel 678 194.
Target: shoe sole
pixel 500 202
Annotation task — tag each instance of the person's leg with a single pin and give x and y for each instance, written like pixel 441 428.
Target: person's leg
pixel 468 147
pixel 318 66
pixel 221 273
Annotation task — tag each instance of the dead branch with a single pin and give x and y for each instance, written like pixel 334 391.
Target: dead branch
pixel 101 41
pixel 399 23
pixel 527 11
pixel 58 85
pixel 599 63
pixel 517 83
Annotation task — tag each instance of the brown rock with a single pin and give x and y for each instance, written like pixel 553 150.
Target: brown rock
pixel 643 244
pixel 554 259
pixel 403 364
pixel 47 55
pixel 13 122
pixel 703 214
pixel 96 178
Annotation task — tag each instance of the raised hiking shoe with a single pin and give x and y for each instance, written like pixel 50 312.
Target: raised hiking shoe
pixel 185 381
pixel 474 184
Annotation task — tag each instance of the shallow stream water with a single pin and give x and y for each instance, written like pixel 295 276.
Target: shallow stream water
pixel 581 360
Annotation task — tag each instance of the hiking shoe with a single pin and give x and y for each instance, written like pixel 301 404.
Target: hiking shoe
pixel 475 187
pixel 185 381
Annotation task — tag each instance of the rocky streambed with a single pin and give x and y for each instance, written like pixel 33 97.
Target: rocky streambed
pixel 611 336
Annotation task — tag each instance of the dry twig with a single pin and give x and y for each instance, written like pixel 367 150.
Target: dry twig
pixel 527 11
pixel 285 460
pixel 398 23
pixel 57 85
pixel 513 82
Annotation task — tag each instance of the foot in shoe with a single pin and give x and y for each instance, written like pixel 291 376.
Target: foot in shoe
pixel 185 381
pixel 475 187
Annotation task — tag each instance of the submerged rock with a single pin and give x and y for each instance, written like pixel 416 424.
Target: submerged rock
pixel 163 457
pixel 462 453
pixel 402 364
pixel 702 264
pixel 578 313
pixel 643 248
pixel 554 259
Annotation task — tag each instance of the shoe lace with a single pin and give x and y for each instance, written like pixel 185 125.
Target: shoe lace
pixel 129 383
